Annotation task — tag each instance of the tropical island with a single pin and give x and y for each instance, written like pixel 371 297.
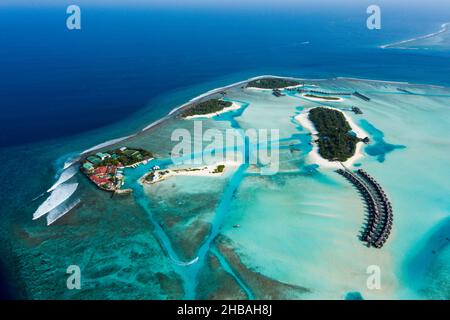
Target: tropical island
pixel 156 174
pixel 104 168
pixel 272 83
pixel 202 212
pixel 336 140
pixel 328 98
pixel 206 108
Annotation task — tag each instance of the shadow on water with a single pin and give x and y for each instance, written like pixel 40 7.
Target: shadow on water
pixel 379 148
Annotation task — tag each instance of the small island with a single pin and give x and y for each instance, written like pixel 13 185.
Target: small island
pixel 316 97
pixel 210 107
pixel 157 175
pixel 336 140
pixel 104 168
pixel 272 83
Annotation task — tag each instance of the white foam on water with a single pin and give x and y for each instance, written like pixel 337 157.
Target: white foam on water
pixel 58 196
pixel 60 211
pixel 216 91
pixel 70 162
pixel 65 176
pixel 185 264
pixel 154 123
pixel 444 28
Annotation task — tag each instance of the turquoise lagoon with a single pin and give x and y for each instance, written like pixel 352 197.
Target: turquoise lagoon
pixel 291 235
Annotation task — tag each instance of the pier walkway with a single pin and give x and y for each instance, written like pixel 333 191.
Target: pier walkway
pixel 380 216
pixel 361 96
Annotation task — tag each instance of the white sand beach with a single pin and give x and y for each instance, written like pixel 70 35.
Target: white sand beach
pixel 324 99
pixel 201 171
pixel 234 106
pixel 314 156
pixel 285 88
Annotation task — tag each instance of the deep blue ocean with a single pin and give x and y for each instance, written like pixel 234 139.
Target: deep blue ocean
pixel 56 83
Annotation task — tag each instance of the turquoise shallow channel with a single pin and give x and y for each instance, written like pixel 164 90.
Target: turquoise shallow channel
pixel 245 234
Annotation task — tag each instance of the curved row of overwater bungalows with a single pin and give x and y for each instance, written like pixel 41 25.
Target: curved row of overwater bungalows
pixel 380 214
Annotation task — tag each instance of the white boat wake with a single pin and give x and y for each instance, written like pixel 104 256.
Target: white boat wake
pixel 60 211
pixel 58 196
pixel 39 196
pixel 180 263
pixel 65 176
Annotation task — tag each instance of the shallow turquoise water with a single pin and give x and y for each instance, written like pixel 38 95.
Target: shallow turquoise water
pixel 294 225
pixel 378 148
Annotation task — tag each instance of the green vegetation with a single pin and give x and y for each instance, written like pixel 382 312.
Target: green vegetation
pixel 335 140
pixel 126 157
pixel 219 168
pixel 210 106
pixel 118 158
pixel 272 83
pixel 309 95
pixel 149 177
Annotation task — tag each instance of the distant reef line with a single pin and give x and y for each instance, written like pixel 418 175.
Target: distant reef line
pixel 444 28
pixel 175 112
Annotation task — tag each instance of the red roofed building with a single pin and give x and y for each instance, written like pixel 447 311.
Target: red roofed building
pixel 101 182
pixel 112 170
pixel 101 170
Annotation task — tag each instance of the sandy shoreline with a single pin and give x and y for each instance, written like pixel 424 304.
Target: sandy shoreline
pixel 174 112
pixel 200 171
pixel 234 106
pixel 314 156
pixel 303 95
pixel 285 88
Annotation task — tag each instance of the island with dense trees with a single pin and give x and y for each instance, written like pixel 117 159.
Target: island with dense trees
pixel 104 168
pixel 272 83
pixel 335 140
pixel 207 107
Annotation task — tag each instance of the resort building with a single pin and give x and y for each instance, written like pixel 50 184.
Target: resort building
pixel 94 160
pixel 103 156
pixel 88 166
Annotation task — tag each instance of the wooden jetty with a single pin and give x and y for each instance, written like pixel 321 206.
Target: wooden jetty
pixel 277 93
pixel 361 96
pixel 326 93
pixel 404 91
pixel 356 110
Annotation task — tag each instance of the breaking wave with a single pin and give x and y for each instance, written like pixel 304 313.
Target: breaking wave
pixel 70 162
pixel 58 196
pixel 60 211
pixel 65 175
pixel 37 197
